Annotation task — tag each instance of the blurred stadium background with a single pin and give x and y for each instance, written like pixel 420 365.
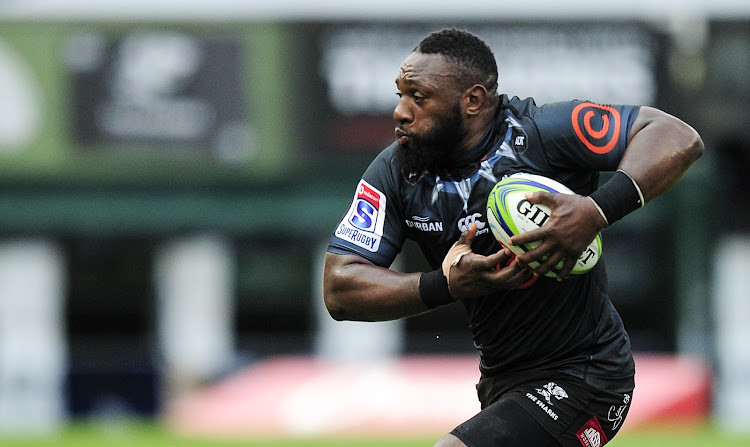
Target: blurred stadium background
pixel 170 172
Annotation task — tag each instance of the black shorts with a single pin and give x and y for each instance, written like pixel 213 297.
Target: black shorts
pixel 544 408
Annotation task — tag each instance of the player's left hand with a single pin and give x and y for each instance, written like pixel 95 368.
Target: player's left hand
pixel 573 223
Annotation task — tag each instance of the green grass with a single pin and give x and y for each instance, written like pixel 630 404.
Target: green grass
pixel 151 435
pixel 687 437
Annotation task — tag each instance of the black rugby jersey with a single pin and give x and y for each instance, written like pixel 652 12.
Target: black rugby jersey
pixel 569 326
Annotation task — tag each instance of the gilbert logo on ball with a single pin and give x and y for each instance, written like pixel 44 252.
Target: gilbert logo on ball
pixel 509 213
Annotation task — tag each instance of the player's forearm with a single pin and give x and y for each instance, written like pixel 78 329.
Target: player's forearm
pixel 660 152
pixel 354 289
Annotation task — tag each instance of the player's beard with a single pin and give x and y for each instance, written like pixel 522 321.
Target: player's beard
pixel 435 149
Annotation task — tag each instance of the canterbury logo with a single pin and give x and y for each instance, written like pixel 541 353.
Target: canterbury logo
pixel 463 223
pixel 597 126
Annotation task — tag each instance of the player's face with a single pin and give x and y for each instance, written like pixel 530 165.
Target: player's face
pixel 429 115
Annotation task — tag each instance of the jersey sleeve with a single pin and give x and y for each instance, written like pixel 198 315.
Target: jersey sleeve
pixel 373 226
pixel 585 135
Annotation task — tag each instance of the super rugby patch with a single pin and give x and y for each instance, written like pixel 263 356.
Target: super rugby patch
pixel 363 224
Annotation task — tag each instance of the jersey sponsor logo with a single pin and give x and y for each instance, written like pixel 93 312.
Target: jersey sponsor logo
pixel 597 126
pixel 424 224
pixel 464 222
pixel 591 434
pixel 519 140
pixel 363 224
pixel 516 137
pixel 551 390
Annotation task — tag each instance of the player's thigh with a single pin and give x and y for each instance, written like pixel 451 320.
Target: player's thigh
pixel 505 423
pixel 449 441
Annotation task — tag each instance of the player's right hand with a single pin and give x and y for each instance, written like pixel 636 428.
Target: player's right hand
pixel 471 275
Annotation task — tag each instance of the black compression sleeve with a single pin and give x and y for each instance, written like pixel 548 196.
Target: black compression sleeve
pixel 433 289
pixel 618 197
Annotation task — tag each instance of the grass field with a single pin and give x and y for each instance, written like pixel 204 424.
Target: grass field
pixel 150 435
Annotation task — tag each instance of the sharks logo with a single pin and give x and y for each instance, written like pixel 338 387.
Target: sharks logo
pixel 551 390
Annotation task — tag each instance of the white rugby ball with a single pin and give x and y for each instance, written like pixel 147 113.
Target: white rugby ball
pixel 509 213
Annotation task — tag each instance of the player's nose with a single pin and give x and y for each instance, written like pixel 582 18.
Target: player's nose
pixel 401 113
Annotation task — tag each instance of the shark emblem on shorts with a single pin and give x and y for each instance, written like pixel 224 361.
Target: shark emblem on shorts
pixel 551 390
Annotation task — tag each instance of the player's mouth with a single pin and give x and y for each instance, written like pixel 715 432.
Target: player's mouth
pixel 401 136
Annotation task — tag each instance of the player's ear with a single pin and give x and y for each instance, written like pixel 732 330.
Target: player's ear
pixel 475 99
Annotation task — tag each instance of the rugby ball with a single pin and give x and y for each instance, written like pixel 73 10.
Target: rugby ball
pixel 509 213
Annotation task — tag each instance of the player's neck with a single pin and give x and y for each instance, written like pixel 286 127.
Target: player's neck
pixel 477 129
